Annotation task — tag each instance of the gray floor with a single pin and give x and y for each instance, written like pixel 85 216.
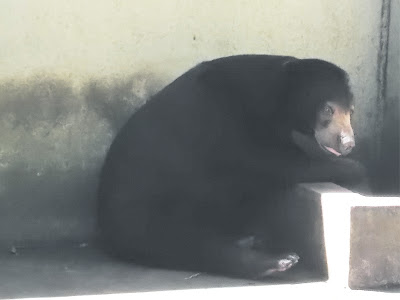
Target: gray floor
pixel 68 271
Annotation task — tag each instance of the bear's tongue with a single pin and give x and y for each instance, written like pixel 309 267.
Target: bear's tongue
pixel 332 151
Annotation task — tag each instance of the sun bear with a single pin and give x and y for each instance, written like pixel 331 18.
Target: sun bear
pixel 204 158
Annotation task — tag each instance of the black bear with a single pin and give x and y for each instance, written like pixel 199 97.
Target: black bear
pixel 202 160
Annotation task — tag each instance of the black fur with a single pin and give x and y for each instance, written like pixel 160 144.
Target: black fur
pixel 204 159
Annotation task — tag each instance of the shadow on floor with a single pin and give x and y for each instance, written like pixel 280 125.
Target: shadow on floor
pixel 86 270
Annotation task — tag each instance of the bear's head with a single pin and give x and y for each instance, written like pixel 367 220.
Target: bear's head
pixel 320 104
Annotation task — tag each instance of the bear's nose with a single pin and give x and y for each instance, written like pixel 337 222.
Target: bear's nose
pixel 347 142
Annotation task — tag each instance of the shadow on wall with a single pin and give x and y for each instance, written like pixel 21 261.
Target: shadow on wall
pixel 383 165
pixel 386 178
pixel 54 139
pixel 116 100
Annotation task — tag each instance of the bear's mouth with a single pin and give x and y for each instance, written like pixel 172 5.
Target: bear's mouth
pixel 331 150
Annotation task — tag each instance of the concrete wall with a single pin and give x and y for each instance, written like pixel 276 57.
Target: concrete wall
pixel 73 71
pixel 389 163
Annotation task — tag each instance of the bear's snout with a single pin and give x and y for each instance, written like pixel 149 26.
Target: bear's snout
pixel 347 143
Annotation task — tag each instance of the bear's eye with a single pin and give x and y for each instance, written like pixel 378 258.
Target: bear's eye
pixel 328 110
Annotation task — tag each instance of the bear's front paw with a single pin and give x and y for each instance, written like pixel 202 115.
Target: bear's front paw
pixel 283 263
pixel 309 146
pixel 350 171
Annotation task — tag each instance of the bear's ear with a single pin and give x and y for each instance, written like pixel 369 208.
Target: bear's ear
pixel 290 68
pixel 309 83
pixel 290 65
pixel 298 69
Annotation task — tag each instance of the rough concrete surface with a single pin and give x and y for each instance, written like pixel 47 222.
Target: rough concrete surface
pixel 375 247
pixel 88 273
pixel 54 139
pixel 351 238
pixel 68 271
pixel 388 170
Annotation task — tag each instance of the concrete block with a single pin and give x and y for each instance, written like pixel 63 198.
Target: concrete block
pixel 353 239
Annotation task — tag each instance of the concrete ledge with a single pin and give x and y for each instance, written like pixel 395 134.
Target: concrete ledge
pixel 352 239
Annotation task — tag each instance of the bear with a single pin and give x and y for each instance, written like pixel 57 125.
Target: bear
pixel 206 157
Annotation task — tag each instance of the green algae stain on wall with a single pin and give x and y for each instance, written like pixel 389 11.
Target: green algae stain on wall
pixel 54 139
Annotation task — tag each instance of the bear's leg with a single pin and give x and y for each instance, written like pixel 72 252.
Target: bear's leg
pixel 194 225
pixel 246 262
pixel 239 243
pixel 204 251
